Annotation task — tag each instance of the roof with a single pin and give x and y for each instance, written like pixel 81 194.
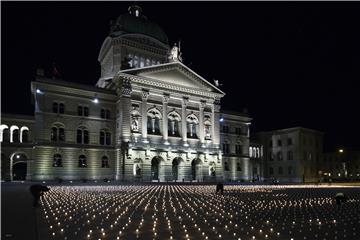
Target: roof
pixel 130 23
pixel 63 83
pixel 291 130
pixel 17 117
pixel 167 66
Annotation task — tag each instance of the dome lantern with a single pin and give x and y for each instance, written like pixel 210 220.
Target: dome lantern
pixel 135 10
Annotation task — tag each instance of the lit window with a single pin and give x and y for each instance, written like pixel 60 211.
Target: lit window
pixel 82 136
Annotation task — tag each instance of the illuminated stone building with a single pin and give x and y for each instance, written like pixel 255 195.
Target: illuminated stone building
pixel 148 118
pixel 292 154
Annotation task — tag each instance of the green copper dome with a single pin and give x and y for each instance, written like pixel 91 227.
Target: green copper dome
pixel 136 22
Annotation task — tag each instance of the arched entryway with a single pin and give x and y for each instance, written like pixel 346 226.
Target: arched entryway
pixel 19 171
pixel 176 169
pixel 196 173
pixel 156 168
pixel 18 168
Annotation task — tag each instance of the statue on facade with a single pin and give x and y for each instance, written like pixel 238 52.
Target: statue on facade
pixel 175 54
pixel 135 125
pixel 207 132
pixel 125 63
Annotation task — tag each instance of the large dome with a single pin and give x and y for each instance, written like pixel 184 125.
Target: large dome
pixel 136 22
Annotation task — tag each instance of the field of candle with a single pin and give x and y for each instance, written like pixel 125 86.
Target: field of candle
pixel 197 212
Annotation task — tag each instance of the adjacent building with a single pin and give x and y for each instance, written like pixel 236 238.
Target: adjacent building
pixel 341 165
pixel 292 154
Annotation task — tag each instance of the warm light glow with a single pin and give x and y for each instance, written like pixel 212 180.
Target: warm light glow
pixel 341 150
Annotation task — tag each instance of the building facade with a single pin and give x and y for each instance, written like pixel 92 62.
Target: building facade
pixel 341 165
pixel 292 154
pixel 148 118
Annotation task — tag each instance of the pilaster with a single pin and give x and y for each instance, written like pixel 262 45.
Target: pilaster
pixel 145 95
pixel 201 122
pixel 183 121
pixel 165 118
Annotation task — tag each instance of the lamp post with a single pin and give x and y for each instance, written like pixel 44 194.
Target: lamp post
pixel 341 152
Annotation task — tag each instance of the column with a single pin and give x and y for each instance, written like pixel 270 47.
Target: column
pixel 215 126
pixel 124 109
pixel 201 123
pixel 183 120
pixel 145 95
pixel 165 118
pixel 123 120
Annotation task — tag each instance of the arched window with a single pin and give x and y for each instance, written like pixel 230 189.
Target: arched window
pixel 57 133
pixel 153 121
pixel 82 161
pixel 104 162
pixel 173 123
pixel 24 134
pixel 105 137
pixel 251 152
pixel 57 161
pixel 14 134
pixel 82 136
pixel 192 122
pixel 4 133
pixel 258 152
pixel 279 156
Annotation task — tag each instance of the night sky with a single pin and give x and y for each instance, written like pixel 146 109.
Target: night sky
pixel 290 64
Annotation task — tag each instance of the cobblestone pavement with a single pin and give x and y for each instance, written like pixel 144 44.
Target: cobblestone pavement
pixel 196 212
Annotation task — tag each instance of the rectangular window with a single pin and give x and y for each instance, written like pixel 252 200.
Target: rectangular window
pixel 279 143
pixel 271 156
pixel 79 136
pixel 61 134
pixel 55 107
pixel 226 148
pixel 238 167
pixel 238 131
pixel 61 108
pixel 289 155
pixel 271 171
pixel 270 143
pixel 86 137
pixel 80 110
pixel 102 138
pixel 225 129
pixel 238 149
pixel 86 111
pixel 289 141
pixel 108 138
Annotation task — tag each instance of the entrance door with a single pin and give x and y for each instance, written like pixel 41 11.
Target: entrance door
pixel 19 171
pixel 155 165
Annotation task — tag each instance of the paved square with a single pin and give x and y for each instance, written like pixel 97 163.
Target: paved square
pixel 196 212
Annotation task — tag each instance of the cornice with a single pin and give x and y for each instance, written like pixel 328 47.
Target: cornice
pixel 154 83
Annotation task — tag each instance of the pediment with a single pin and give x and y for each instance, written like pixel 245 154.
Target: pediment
pixel 175 73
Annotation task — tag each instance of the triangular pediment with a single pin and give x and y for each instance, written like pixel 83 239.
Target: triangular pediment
pixel 174 73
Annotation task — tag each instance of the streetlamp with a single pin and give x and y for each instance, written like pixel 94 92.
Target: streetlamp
pixel 341 152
